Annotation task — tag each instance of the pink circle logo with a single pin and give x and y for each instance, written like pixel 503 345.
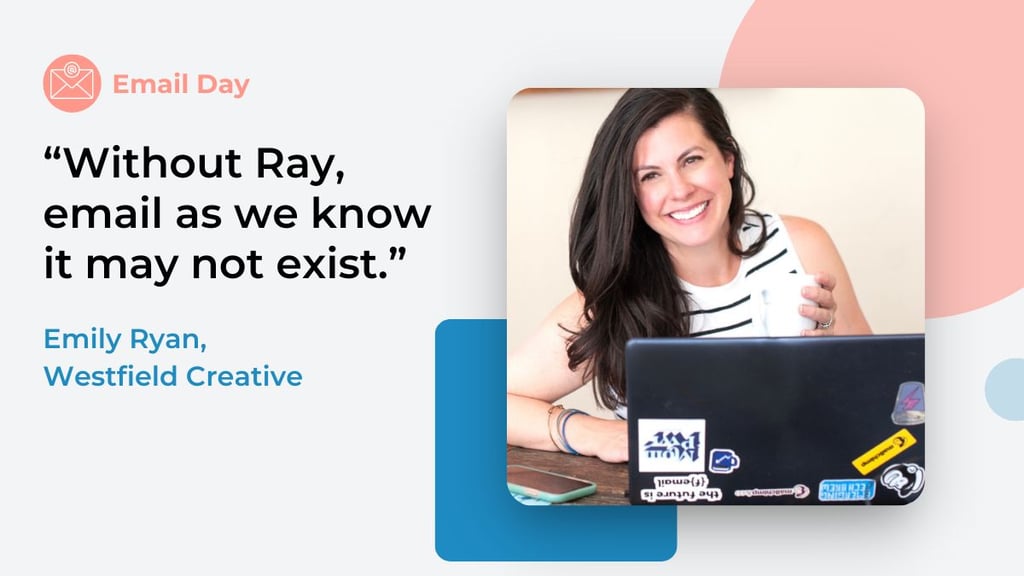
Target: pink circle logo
pixel 71 83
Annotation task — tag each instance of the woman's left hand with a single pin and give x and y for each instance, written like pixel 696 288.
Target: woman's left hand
pixel 825 311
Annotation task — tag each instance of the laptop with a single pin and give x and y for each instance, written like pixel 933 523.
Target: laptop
pixel 823 420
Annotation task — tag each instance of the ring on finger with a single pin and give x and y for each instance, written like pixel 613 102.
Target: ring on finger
pixel 827 325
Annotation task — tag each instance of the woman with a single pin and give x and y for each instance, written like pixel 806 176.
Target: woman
pixel 663 244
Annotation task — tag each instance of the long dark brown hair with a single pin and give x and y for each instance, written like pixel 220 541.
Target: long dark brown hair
pixel 620 265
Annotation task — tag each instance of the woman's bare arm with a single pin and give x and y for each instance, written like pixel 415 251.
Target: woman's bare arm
pixel 539 374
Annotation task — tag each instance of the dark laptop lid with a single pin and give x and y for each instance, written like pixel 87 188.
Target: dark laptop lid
pixel 826 420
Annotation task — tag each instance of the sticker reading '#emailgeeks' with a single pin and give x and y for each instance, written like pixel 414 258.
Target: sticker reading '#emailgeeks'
pixel 671 444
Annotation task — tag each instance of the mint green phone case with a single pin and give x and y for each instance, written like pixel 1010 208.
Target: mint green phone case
pixel 547 486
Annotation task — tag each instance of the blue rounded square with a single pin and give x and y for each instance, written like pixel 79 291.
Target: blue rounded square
pixel 476 519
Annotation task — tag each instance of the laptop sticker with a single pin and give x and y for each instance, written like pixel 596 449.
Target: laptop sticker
pixel 800 491
pixel 905 479
pixel 723 461
pixel 852 490
pixel 885 450
pixel 909 409
pixel 688 488
pixel 671 444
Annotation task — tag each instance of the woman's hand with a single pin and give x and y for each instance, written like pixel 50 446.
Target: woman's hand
pixel 605 439
pixel 615 447
pixel 825 311
pixel 817 252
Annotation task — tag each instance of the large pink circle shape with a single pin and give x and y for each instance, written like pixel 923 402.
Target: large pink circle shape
pixel 963 61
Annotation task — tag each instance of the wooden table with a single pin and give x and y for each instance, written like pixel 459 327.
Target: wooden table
pixel 612 479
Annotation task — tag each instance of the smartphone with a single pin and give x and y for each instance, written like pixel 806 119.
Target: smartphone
pixel 547 486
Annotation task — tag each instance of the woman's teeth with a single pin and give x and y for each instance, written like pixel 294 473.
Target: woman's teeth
pixel 690 214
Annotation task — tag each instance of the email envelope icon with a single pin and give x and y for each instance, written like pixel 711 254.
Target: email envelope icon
pixel 64 86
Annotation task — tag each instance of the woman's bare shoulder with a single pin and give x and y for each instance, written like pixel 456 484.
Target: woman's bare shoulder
pixel 812 242
pixel 801 228
pixel 570 309
pixel 539 367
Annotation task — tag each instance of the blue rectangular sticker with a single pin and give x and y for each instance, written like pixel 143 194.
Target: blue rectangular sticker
pixel 857 490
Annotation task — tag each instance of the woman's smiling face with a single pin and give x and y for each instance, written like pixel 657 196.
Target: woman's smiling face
pixel 682 183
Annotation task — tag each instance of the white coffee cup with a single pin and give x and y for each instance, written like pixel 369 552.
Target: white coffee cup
pixel 777 305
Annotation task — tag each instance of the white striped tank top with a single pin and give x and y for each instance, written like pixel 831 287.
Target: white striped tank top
pixel 727 311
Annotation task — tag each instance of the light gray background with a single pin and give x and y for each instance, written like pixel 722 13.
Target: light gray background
pixel 412 98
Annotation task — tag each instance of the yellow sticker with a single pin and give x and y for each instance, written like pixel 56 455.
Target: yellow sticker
pixel 885 451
